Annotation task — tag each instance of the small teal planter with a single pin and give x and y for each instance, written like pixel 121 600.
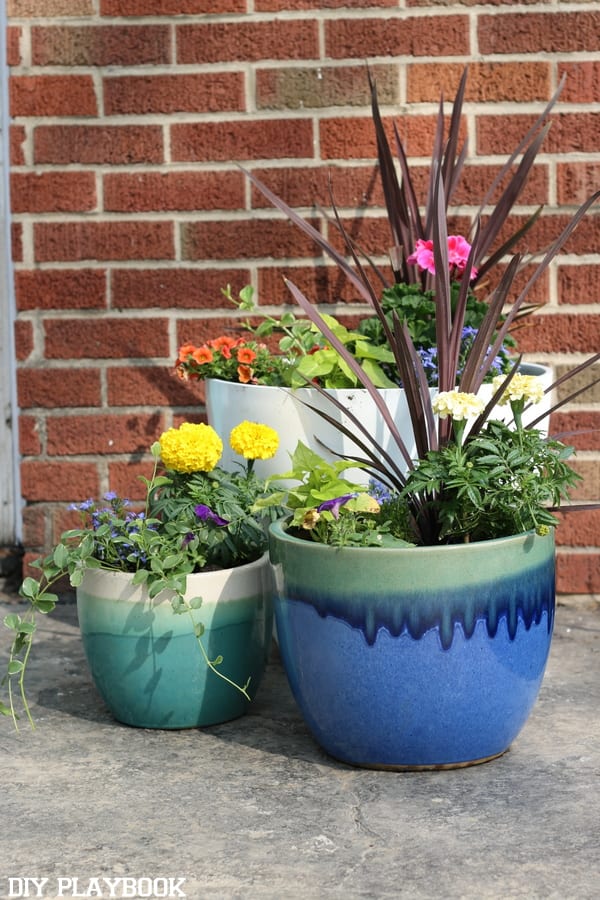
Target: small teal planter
pixel 413 658
pixel 145 660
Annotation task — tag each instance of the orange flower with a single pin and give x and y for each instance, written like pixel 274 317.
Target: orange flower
pixel 223 343
pixel 203 355
pixel 245 374
pixel 184 351
pixel 246 355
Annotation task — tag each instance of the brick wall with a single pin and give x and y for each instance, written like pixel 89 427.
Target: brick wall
pixel 129 213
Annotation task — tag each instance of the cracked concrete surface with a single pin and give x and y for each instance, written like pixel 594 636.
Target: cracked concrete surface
pixel 253 809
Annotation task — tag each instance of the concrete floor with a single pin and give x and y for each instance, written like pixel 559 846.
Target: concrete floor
pixel 253 809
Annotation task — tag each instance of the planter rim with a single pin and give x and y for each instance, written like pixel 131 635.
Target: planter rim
pixel 278 530
pixel 530 368
pixel 255 564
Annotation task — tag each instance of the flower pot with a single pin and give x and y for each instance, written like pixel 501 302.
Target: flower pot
pixel 286 410
pixel 426 657
pixel 145 660
pixel 229 403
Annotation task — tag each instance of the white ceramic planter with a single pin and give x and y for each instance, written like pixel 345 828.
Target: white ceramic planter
pixel 229 403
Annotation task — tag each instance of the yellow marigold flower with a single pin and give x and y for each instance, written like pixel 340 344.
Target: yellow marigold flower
pixel 190 448
pixel 522 387
pixel 254 441
pixel 458 405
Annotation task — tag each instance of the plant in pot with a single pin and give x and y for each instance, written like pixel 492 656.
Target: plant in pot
pixel 417 636
pixel 246 376
pixel 174 599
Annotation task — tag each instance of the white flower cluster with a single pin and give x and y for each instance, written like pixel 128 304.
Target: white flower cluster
pixel 458 405
pixel 522 387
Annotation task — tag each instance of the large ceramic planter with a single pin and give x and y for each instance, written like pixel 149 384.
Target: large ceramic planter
pixel 229 403
pixel 414 657
pixel 145 660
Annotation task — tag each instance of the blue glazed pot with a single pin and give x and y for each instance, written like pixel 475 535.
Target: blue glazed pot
pixel 422 657
pixel 145 660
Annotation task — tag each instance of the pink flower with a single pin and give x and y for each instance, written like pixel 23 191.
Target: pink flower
pixel 458 253
pixel 423 256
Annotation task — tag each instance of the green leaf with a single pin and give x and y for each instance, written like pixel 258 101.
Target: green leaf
pixel 199 629
pixel 4 710
pixel 15 666
pixel 12 620
pixel 30 588
pixel 141 576
pixel 45 606
pixel 60 556
pixel 196 602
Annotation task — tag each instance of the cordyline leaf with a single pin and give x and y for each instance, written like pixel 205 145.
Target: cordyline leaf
pixel 541 268
pixel 452 166
pixel 364 289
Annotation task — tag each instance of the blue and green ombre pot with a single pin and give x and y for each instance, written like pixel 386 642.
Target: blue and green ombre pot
pixel 145 659
pixel 414 657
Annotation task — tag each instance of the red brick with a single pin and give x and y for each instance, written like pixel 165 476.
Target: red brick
pixel 577 181
pixel 17 139
pixel 174 288
pixel 401 36
pixel 149 191
pixel 23 340
pixel 170 7
pixel 13 45
pixel 114 338
pixel 245 239
pixel 305 88
pixel 578 529
pixel 24 9
pixel 150 386
pixel 16 241
pixel 197 93
pixel 570 133
pixel 539 32
pixel 579 283
pixel 588 489
pixel 579 429
pixel 353 137
pixel 549 227
pixel 108 45
pixel 34 526
pixel 577 573
pixel 320 284
pixel 102 434
pixel 123 478
pixel 29 437
pixel 561 334
pixel 70 241
pixel 524 81
pixel 577 382
pixel 61 387
pixel 61 289
pixel 98 144
pixel 583 81
pixel 69 481
pixel 197 331
pixel 309 186
pixel 268 139
pixel 52 192
pixel 247 41
pixel 52 95
pixel 278 5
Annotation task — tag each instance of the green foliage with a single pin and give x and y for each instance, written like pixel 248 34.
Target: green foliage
pixel 330 509
pixel 499 483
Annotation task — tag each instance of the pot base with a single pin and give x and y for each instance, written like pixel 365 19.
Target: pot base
pixel 428 768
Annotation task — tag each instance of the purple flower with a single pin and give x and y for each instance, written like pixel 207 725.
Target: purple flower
pixel 205 513
pixel 333 506
pixel 110 495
